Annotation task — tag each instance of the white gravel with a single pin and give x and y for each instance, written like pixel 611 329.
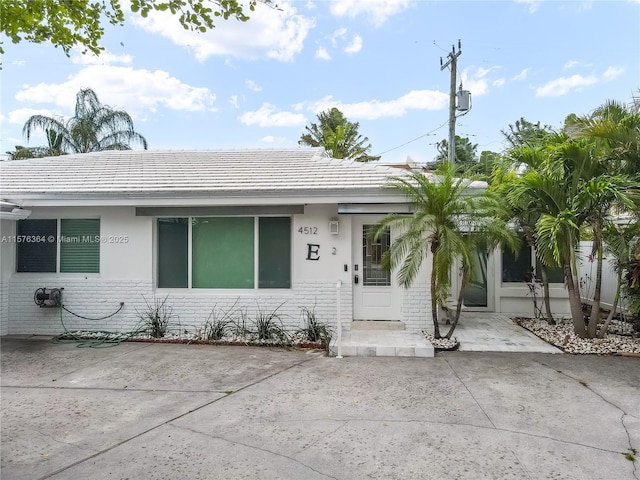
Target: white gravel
pixel 561 335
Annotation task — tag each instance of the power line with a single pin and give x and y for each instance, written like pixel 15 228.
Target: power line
pixel 411 141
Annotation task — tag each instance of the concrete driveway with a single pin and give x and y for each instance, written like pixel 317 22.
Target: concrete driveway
pixel 161 411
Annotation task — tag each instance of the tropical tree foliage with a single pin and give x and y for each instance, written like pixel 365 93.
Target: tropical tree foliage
pixel 82 22
pixel 571 181
pixel 466 153
pixel 452 219
pixel 524 132
pixel 94 127
pixel 339 136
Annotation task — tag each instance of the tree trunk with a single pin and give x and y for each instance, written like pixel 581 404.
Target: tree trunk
pixel 463 284
pixel 575 303
pixel 605 326
pixel 597 291
pixel 434 300
pixel 545 294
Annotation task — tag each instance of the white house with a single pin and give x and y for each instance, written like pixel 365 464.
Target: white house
pixel 255 228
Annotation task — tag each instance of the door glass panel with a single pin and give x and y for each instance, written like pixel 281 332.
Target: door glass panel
pixel 475 292
pixel 373 275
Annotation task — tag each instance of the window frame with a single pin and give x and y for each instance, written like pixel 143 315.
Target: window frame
pixel 190 251
pixel 58 246
pixel 533 265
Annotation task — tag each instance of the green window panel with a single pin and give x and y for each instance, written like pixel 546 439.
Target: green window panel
pixel 223 252
pixel 80 245
pixel 37 249
pixel 274 252
pixel 517 268
pixel 173 252
pixel 554 274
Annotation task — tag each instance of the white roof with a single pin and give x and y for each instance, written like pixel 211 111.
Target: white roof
pixel 162 174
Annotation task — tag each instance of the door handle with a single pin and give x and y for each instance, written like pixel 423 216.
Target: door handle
pixel 356 279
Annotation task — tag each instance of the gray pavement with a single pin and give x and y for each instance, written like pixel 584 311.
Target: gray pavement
pixel 166 411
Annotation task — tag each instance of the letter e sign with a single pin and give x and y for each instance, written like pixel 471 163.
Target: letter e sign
pixel 313 251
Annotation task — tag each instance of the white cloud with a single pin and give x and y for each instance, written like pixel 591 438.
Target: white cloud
pixel 21 115
pixel 322 54
pixel 562 86
pixel 268 116
pixel 499 82
pixel 271 139
pixel 376 11
pixel 105 58
pixel 233 101
pixel 338 35
pixel 612 73
pixel 355 46
pixel 521 76
pixel 574 63
pixel 373 109
pixel 136 91
pixel 272 33
pixel 251 85
pixel 534 5
pixel 477 82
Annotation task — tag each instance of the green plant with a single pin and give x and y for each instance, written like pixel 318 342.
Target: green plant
pixel 631 454
pixel 156 317
pixel 313 330
pixel 268 326
pixel 218 325
pixel 239 327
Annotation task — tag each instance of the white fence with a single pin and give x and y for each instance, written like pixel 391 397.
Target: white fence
pixel 587 274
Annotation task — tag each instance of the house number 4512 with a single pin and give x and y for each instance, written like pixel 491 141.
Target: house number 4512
pixel 308 230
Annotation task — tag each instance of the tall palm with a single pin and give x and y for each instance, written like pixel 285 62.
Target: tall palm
pixel 451 218
pixel 94 127
pixel 614 129
pixel 339 136
pixel 568 189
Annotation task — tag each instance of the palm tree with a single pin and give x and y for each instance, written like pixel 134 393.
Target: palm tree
pixel 451 219
pixel 614 130
pixel 338 136
pixel 567 189
pixel 94 127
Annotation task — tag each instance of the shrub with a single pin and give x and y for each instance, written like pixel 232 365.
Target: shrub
pixel 156 317
pixel 313 330
pixel 218 325
pixel 268 326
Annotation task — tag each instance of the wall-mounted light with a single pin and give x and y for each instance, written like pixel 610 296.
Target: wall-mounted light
pixel 333 226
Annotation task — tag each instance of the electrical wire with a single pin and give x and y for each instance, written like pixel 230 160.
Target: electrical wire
pixel 415 139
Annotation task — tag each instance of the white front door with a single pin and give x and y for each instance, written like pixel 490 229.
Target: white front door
pixel 376 294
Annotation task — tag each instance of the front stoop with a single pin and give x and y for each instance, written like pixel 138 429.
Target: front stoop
pixel 382 342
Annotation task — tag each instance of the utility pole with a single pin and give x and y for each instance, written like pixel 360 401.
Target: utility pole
pixel 453 61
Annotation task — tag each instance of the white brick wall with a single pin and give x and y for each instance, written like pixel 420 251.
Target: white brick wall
pixel 96 299
pixel 416 307
pixel 4 308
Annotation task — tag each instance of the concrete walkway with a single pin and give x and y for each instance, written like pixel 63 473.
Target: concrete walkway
pixel 199 412
pixel 497 332
pixel 476 331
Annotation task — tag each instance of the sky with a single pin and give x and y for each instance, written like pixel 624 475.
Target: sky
pixel 258 84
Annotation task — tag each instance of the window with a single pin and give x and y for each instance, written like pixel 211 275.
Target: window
pixel 520 267
pixel 224 252
pixel 517 267
pixel 37 245
pixel 75 250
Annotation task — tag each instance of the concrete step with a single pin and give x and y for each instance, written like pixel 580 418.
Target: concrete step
pixel 376 325
pixel 381 343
